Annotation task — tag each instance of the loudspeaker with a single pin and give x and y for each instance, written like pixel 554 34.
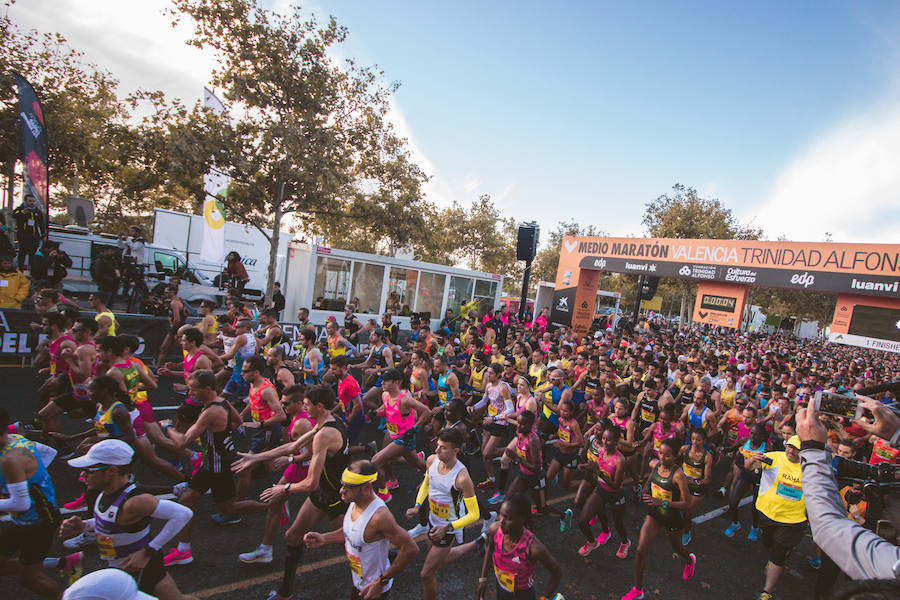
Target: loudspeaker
pixel 526 245
pixel 648 290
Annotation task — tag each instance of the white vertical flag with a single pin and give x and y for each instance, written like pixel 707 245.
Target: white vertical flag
pixel 215 186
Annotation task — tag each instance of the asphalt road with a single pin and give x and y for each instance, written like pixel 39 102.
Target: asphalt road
pixel 726 568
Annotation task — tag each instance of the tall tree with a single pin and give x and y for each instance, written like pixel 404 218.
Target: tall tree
pixel 310 135
pixel 685 214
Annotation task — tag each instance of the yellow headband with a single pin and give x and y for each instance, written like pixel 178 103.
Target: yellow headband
pixel 351 478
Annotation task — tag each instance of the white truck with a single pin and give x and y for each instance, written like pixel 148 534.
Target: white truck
pixel 184 232
pixel 162 263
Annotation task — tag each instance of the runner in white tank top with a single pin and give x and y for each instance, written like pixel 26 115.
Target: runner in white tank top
pixel 368 531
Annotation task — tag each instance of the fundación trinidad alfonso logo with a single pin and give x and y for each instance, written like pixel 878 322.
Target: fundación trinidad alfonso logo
pixel 214 213
pixel 684 271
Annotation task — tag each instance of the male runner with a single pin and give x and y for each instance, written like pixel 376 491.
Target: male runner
pixel 244 347
pixel 122 516
pixel 368 532
pixel 312 358
pixel 446 478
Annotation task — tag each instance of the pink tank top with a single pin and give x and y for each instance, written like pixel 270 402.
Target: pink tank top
pixel 259 410
pixel 607 464
pixel 659 435
pixel 523 450
pixel 188 368
pixel 297 472
pixel 513 569
pixel 397 424
pixel 57 366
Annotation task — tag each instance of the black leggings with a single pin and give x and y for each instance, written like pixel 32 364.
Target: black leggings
pixel 740 489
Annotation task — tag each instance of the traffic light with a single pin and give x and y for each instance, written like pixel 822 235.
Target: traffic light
pixel 648 288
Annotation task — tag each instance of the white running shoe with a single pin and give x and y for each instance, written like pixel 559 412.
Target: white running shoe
pixel 80 541
pixel 418 530
pixel 259 555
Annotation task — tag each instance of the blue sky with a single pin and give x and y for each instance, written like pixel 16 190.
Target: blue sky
pixel 788 112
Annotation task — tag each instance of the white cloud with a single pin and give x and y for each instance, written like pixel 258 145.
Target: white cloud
pixel 845 183
pixel 132 39
pixel 471 183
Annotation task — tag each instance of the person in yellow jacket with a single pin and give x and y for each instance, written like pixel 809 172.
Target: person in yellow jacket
pixel 13 284
pixel 780 500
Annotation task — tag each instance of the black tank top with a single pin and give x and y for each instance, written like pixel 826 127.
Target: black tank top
pixel 330 479
pixel 218 446
pixel 350 324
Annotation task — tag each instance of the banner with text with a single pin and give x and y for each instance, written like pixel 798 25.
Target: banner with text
pixel 866 269
pixel 866 322
pixel 34 146
pixel 215 188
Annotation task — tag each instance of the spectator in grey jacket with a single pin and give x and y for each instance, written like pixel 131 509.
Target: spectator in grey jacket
pixel 860 553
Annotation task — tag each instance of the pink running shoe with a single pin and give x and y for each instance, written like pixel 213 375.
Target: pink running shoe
pixel 76 504
pixel 71 567
pixel 392 484
pixel 386 496
pixel 634 594
pixel 588 548
pixel 603 537
pixel 178 558
pixel 623 550
pixel 689 569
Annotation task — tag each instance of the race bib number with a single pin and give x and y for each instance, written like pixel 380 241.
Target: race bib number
pixel 564 435
pixel 506 579
pixel 521 453
pixel 692 471
pixel 105 545
pixel 789 491
pixel 656 444
pixel 660 493
pixel 493 411
pixel 392 428
pixel 355 564
pixel 442 397
pixel 441 510
pixel 648 415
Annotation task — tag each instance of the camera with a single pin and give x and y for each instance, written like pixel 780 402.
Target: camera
pixel 883 475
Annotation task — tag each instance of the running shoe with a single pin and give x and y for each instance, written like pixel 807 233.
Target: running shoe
pixel 76 504
pixel 487 483
pixel 70 567
pixel 285 513
pixel 259 555
pixel 220 519
pixel 80 541
pixel 178 489
pixel 372 448
pixel 392 484
pixel 588 548
pixel 721 492
pixel 686 538
pixel 764 595
pixel 622 552
pixel 385 496
pixel 418 530
pixel 500 497
pixel 178 558
pixel 565 523
pixel 689 569
pixel 754 534
pixel 732 529
pixel 815 562
pixel 634 594
pixel 486 524
pixel 274 595
pixel 603 537
pixel 196 461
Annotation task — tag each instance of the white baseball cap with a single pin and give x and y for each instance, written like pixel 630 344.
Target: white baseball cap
pixel 106 584
pixel 106 452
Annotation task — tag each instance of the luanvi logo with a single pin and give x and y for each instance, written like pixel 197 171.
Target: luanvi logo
pixel 874 286
pixel 570 246
pixel 805 279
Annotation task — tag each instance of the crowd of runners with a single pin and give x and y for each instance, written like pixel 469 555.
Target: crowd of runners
pixel 631 420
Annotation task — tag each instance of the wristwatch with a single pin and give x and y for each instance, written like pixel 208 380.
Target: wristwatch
pixel 384 581
pixel 287 488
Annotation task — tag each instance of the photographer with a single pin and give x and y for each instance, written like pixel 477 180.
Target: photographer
pixel 50 265
pixel 105 273
pixel 133 245
pixel 860 553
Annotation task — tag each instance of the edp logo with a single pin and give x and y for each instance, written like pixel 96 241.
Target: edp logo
pixel 805 279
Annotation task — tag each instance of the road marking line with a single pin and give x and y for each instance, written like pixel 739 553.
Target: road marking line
pixel 244 583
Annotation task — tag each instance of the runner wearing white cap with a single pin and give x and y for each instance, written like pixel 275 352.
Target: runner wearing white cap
pixel 122 516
